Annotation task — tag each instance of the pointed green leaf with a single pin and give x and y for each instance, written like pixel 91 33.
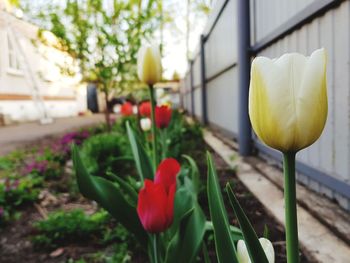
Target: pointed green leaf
pixel 109 196
pixel 236 233
pixel 195 176
pixel 142 160
pixel 266 232
pixel 256 252
pixel 187 241
pixel 127 188
pixel 205 254
pixel 225 248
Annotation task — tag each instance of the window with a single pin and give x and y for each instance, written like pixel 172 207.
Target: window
pixel 12 56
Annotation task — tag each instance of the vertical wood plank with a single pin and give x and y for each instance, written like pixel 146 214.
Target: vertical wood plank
pixel 341 82
pixel 327 153
pixel 302 48
pixel 313 151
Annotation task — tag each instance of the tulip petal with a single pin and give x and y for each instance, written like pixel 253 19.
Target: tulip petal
pixel 170 205
pixel 288 99
pixel 242 252
pixel 243 255
pixel 149 68
pixel 268 249
pixel 166 173
pixel 151 207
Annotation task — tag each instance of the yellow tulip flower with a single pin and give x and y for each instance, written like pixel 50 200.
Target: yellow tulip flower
pixel 149 67
pixel 288 100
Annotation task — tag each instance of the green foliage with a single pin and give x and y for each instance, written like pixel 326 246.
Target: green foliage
pixel 142 160
pixel 225 247
pixel 102 154
pixel 120 125
pixel 63 227
pixel 119 253
pixel 185 138
pixel 255 250
pixel 11 163
pixel 16 193
pixel 110 197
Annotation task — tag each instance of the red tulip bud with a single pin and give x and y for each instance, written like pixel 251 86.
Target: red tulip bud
pixel 155 206
pixel 126 109
pixel 163 116
pixel 145 109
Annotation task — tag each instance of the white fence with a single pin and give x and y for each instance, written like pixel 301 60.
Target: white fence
pixel 277 27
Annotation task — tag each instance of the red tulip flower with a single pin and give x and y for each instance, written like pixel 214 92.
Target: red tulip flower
pixel 166 173
pixel 127 109
pixel 145 109
pixel 163 116
pixel 155 206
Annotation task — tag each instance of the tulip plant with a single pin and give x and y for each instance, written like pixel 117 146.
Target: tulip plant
pixel 163 211
pixel 288 111
pixel 149 70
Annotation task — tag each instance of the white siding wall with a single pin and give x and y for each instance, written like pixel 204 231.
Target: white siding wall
pixel 270 14
pixel 220 53
pixel 67 96
pixel 331 153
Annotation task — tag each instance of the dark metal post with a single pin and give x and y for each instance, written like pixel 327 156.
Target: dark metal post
pixel 192 88
pixel 203 82
pixel 244 132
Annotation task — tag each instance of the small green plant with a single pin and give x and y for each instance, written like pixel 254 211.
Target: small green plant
pixel 10 163
pixel 68 227
pixel 14 194
pixel 62 228
pixel 106 152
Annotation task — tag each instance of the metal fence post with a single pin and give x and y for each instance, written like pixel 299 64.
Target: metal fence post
pixel 203 81
pixel 244 132
pixel 192 88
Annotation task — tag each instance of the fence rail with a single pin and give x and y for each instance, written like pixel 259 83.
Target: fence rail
pixel 216 87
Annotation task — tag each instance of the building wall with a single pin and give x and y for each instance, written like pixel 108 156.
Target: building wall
pixel 25 64
pixel 278 27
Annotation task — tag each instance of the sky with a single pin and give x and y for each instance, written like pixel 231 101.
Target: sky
pixel 174 56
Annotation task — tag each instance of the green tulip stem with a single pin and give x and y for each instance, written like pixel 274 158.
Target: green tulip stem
pixel 155 250
pixel 164 143
pixel 154 131
pixel 290 208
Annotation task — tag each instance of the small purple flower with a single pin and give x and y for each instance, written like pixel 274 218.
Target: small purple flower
pixel 1 211
pixel 39 166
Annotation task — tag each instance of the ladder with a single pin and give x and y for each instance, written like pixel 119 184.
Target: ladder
pixel 29 75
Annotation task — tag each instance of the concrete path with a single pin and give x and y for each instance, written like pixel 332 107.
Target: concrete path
pixel 15 136
pixel 318 242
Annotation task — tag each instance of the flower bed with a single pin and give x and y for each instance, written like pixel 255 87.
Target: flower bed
pixel 76 230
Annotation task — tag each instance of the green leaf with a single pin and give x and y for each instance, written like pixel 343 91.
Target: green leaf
pixel 266 232
pixel 224 245
pixel 183 203
pixel 256 252
pixel 128 189
pixel 205 254
pixel 109 196
pixel 195 176
pixel 187 241
pixel 236 233
pixel 142 160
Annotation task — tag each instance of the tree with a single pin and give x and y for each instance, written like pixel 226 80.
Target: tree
pixel 103 37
